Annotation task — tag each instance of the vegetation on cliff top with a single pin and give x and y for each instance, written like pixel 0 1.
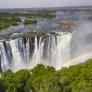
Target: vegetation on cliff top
pixel 77 78
pixel 30 21
pixel 6 22
pixel 90 18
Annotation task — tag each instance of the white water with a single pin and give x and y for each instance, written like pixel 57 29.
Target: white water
pixel 56 49
pixel 17 59
pixel 63 50
pixel 4 60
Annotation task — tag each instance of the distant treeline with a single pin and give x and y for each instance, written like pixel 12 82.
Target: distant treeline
pixel 77 78
pixel 28 14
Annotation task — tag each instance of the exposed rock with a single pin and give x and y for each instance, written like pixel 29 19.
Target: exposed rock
pixel 35 33
pixel 66 24
pixel 8 36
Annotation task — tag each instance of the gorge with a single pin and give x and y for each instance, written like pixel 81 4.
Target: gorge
pixel 55 48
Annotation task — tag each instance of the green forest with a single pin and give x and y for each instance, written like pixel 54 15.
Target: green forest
pixel 30 21
pixel 6 22
pixel 76 78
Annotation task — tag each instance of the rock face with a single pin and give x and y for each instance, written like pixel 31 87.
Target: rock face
pixel 34 33
pixel 66 25
pixel 9 36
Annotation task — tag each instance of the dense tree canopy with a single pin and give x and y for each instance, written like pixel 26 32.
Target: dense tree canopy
pixel 77 78
pixel 30 21
pixel 6 22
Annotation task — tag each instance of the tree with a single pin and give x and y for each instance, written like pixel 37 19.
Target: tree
pixel 30 21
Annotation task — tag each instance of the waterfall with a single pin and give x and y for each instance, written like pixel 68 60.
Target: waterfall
pixel 36 54
pixel 4 61
pixel 57 50
pixel 14 54
pixel 50 50
pixel 62 53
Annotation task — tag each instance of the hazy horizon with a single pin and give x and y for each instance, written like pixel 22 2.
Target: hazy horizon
pixel 42 3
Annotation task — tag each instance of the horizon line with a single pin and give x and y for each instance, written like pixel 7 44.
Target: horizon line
pixel 47 7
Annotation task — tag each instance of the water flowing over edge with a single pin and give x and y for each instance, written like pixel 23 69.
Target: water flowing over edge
pixel 58 50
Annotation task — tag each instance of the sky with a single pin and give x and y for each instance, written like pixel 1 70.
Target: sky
pixel 42 3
